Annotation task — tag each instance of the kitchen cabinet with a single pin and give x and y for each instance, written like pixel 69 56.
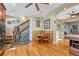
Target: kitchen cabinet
pixel 2 12
pixel 2 24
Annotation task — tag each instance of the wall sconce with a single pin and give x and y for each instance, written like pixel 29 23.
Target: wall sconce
pixel 23 18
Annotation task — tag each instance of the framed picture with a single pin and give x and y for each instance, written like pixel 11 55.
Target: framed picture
pixel 47 24
pixel 13 22
pixel 8 22
pixel 18 21
pixel 74 29
pixel 37 23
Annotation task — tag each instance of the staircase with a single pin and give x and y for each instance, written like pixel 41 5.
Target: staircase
pixel 21 33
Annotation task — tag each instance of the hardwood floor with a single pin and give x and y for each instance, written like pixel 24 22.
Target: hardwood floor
pixel 60 49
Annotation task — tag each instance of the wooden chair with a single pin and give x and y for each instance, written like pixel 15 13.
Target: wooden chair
pixel 46 37
pixel 39 38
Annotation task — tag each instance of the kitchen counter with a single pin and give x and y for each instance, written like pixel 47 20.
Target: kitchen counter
pixel 72 37
pixel 74 43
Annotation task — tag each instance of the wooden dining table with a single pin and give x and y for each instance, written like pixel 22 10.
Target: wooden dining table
pixel 42 37
pixel 46 36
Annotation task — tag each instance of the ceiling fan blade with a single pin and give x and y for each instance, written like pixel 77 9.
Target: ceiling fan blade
pixel 37 7
pixel 28 5
pixel 77 14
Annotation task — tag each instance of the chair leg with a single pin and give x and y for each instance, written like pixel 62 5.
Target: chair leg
pixel 36 41
pixel 47 41
pixel 43 41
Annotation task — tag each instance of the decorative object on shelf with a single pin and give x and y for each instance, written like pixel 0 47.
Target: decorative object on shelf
pixel 47 24
pixel 37 23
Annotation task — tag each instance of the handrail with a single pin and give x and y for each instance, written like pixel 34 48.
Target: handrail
pixel 24 28
pixel 23 23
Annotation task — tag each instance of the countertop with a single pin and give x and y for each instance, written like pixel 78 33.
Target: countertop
pixel 72 37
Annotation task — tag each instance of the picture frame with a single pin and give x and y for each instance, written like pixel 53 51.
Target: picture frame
pixel 37 23
pixel 47 24
pixel 8 22
pixel 13 22
pixel 18 21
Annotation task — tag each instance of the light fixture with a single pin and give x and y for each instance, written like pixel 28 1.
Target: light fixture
pixel 23 18
pixel 73 16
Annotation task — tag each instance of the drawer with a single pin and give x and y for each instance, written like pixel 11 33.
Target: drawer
pixel 74 51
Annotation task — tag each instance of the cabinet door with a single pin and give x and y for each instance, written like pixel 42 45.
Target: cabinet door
pixel 3 15
pixel 0 13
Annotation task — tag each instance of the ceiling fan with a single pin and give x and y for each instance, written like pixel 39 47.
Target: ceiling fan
pixel 36 5
pixel 74 14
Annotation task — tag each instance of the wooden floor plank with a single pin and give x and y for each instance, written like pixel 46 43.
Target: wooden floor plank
pixel 59 49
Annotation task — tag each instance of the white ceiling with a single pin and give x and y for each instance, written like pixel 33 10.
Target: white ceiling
pixel 65 13
pixel 19 9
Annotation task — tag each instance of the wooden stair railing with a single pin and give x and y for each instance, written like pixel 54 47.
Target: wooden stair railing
pixel 17 30
pixel 23 23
